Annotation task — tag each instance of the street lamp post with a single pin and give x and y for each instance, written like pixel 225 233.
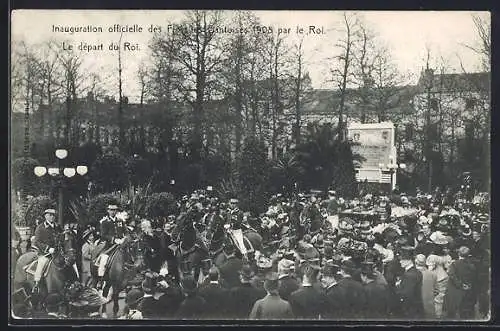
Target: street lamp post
pixel 60 173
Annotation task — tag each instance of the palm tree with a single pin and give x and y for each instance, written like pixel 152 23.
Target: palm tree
pixel 326 160
pixel 286 172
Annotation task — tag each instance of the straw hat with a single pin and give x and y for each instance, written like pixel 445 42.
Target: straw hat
pixel 438 238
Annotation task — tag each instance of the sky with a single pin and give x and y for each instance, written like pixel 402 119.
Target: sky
pixel 406 34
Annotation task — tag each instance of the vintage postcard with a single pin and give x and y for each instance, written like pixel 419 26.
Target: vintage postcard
pixel 250 165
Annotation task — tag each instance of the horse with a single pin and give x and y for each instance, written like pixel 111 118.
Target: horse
pixel 190 249
pixel 217 234
pixel 59 270
pixel 124 264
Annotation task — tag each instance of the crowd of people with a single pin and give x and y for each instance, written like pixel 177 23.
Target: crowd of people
pixel 374 257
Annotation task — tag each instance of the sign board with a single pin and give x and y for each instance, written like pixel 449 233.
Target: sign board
pixel 375 146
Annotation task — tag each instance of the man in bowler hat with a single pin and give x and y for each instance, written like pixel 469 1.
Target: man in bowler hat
pixel 271 306
pixel 351 292
pixel 409 287
pixel 243 296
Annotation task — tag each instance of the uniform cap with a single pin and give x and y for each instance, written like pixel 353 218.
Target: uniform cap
pixel 50 211
pixel 112 207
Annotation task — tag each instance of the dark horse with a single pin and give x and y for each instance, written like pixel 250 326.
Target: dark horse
pixel 58 272
pixel 190 249
pixel 217 236
pixel 125 262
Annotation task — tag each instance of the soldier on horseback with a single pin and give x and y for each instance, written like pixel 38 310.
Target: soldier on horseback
pixel 112 233
pixel 234 220
pixel 45 240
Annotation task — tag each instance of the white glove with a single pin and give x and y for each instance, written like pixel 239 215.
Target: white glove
pixel 51 250
pixel 227 226
pixel 163 271
pixel 118 241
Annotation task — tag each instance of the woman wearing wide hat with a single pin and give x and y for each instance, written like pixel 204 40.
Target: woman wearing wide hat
pixel 87 254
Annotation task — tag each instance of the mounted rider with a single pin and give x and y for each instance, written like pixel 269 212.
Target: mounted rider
pixel 235 222
pixel 45 239
pixel 113 231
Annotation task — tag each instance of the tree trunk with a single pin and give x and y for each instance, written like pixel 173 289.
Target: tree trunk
pixel 121 132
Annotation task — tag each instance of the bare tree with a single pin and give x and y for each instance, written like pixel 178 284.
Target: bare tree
pixel 72 85
pixel 483 47
pixel 24 80
pixel 200 55
pixel 364 58
pixel 278 65
pixel 480 86
pixel 96 92
pixel 343 69
pixel 50 87
pixel 163 85
pixel 298 91
pixel 121 129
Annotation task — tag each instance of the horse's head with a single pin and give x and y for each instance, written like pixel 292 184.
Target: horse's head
pixel 133 250
pixel 67 248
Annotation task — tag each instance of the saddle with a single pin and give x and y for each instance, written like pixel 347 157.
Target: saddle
pixel 241 242
pixel 111 252
pixel 31 268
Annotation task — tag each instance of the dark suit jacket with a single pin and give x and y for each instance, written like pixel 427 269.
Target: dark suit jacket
pixel 45 236
pixel 307 303
pixel 462 274
pixel 108 232
pixel 409 293
pixel 217 300
pixel 152 254
pixel 193 307
pixel 425 247
pixel 352 300
pixel 271 307
pixel 333 303
pixel 288 285
pixel 149 308
pixel 377 301
pixel 242 299
pixel 169 303
pixel 229 272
